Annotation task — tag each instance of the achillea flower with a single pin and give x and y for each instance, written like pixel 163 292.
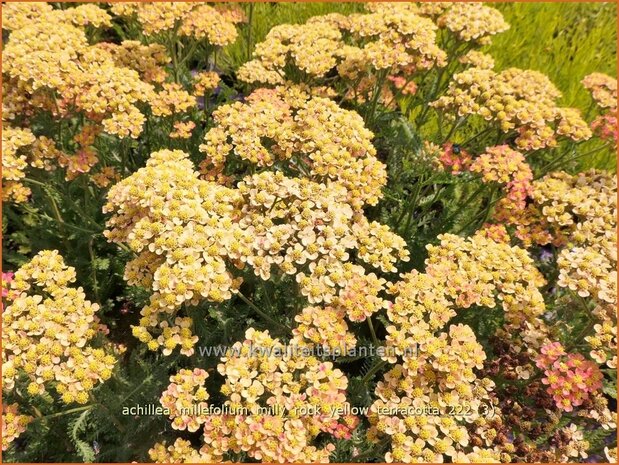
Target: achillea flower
pixel 328 141
pixel 205 82
pixel 454 158
pixel 171 100
pixel 570 377
pixel 310 48
pixel 477 59
pixel 515 99
pixel 506 166
pixel 603 89
pixel 185 399
pixel 182 129
pixel 473 22
pixel 148 60
pixel 180 452
pixel 13 424
pixel 47 331
pixel 14 163
pixel 323 327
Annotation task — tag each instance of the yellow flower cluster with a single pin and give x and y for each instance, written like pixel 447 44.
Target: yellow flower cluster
pixel 473 22
pixel 427 399
pixel 479 271
pixel 313 135
pixel 584 208
pixel 19 14
pixel 323 327
pixel 477 59
pixel 521 100
pixel 396 40
pixel 49 53
pixel 390 37
pixel 197 20
pixel 205 82
pixel 13 424
pixel 148 60
pixel 171 100
pixel 88 15
pixel 311 48
pixel 603 89
pixel 14 162
pixel 183 229
pixel 255 376
pixel 205 21
pixel 185 398
pixel 180 227
pixel 280 388
pixel 180 452
pixel 47 328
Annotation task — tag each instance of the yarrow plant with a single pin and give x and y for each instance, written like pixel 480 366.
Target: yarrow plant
pixel 361 237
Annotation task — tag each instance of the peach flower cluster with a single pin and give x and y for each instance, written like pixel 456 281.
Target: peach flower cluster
pixel 570 377
pixel 516 100
pixel 309 136
pixel 47 332
pixel 261 374
pixel 505 166
pixel 13 424
pixel 185 398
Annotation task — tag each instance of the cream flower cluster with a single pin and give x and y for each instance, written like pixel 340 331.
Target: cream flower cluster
pixel 520 100
pixel 473 21
pixel 180 228
pixel 49 53
pixel 584 207
pixel 396 40
pixel 13 424
pixel 183 229
pixel 479 271
pixel 392 37
pixel 257 379
pixel 197 20
pixel 433 376
pixel 311 48
pixel 14 163
pixel 313 136
pixel 48 328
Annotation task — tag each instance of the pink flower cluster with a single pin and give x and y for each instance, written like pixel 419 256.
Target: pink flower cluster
pixel 605 126
pixel 506 166
pixel 454 158
pixel 570 377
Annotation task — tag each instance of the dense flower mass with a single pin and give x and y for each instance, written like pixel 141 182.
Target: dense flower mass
pixel 313 136
pixel 515 99
pixel 366 236
pixel 48 331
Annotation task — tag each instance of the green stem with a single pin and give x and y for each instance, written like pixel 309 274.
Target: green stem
pixel 373 332
pixel 261 313
pixel 373 371
pixel 250 24
pixel 66 412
